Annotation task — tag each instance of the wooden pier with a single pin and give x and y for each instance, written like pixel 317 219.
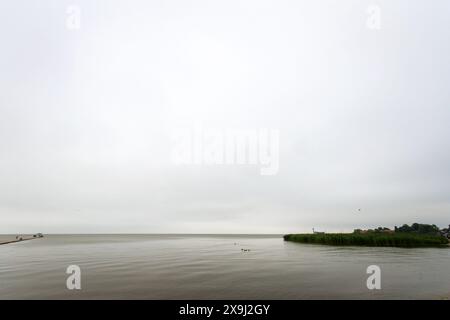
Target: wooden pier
pixel 21 239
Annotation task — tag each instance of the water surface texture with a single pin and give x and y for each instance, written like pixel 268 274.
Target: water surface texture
pixel 215 267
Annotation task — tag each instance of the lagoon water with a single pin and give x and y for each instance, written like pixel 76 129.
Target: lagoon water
pixel 214 267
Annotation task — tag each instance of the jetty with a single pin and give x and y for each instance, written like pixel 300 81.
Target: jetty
pixel 22 238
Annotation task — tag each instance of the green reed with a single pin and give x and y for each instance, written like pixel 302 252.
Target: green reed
pixel 407 240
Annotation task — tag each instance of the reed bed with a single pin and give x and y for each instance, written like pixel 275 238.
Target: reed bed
pixel 407 240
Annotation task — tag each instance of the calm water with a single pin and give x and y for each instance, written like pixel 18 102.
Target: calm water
pixel 213 267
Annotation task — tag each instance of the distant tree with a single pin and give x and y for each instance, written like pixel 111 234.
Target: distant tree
pixel 418 228
pixel 427 228
pixel 404 228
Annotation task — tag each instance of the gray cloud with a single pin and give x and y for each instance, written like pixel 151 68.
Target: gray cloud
pixel 86 115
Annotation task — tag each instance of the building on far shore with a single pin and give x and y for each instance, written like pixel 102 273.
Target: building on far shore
pixel 318 232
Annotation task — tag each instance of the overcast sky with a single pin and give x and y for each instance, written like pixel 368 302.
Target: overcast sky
pixel 86 115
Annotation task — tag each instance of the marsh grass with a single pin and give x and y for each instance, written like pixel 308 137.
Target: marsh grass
pixel 407 240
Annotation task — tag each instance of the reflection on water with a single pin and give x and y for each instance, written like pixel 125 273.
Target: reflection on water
pixel 214 267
